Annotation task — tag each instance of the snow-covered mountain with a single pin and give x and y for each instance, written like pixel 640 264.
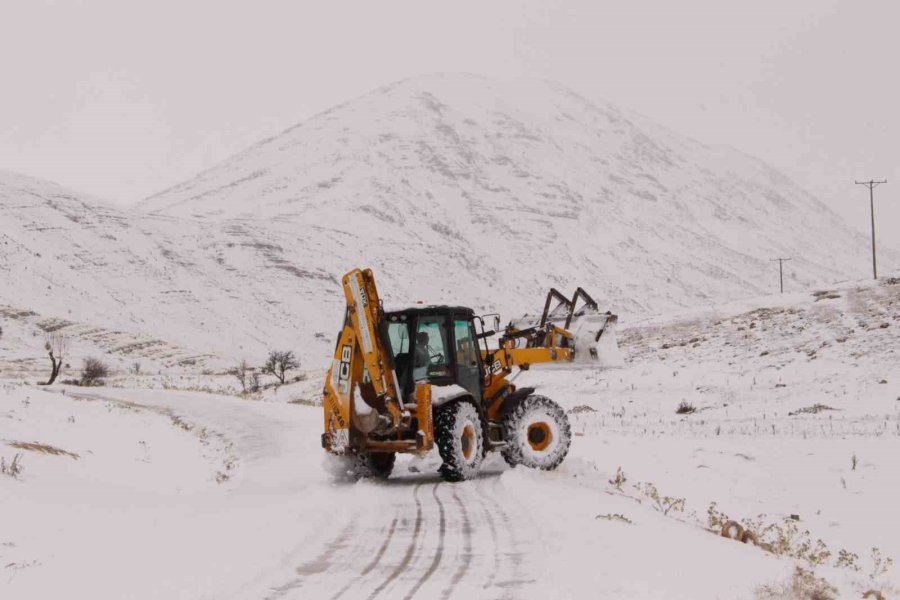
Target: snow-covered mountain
pixel 470 179
pixel 453 188
pixel 168 290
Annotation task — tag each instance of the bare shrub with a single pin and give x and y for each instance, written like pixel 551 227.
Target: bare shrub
pixel 12 468
pixel 811 410
pixel 803 585
pixel 615 517
pixel 663 504
pixel 242 373
pixel 305 401
pixel 619 479
pixel 253 383
pixel 848 560
pixel 136 367
pixel 93 371
pixel 880 564
pixel 685 408
pixel 279 363
pixel 784 538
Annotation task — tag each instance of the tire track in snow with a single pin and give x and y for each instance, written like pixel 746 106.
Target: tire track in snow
pixel 467 546
pixel 318 565
pixel 410 550
pixel 392 528
pixel 512 555
pixel 488 507
pixel 439 552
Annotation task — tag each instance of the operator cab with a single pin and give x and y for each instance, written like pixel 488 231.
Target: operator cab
pixel 435 344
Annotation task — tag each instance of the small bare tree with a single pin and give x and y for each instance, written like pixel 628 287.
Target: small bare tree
pixel 57 346
pixel 93 372
pixel 253 381
pixel 279 363
pixel 241 372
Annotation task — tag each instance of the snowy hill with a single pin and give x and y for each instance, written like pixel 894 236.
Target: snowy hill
pixel 168 291
pixel 453 188
pixel 471 179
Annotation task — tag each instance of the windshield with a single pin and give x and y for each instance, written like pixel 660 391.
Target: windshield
pixel 430 349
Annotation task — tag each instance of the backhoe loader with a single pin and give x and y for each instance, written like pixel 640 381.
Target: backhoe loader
pixel 407 380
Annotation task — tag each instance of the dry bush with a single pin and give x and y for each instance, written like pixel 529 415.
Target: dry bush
pixel 685 408
pixel 802 585
pixel 880 564
pixel 615 517
pixel 12 468
pixel 619 480
pixel 784 537
pixel 305 401
pixel 93 371
pixel 246 376
pixel 848 560
pixel 663 504
pixel 43 449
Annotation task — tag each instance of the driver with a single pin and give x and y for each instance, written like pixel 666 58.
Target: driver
pixel 422 353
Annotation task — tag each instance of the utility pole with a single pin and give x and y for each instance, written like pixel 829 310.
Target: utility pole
pixel 781 262
pixel 872 184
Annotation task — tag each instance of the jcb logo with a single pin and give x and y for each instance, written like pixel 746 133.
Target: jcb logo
pixel 346 354
pixel 344 371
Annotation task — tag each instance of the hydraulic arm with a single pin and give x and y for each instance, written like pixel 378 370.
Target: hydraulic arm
pixel 361 360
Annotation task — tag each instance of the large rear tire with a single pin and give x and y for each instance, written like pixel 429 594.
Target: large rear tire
pixel 537 433
pixel 458 432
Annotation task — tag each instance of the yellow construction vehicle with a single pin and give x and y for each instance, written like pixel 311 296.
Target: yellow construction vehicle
pixel 407 380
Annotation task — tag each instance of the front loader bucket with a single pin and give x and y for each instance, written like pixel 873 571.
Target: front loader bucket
pixel 590 333
pixel 594 337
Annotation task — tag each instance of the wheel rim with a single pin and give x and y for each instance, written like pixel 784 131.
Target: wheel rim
pixel 467 441
pixel 539 436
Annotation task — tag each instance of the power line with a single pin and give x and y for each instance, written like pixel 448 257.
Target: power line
pixel 781 262
pixel 872 184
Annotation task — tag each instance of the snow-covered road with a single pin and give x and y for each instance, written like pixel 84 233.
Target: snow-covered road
pixel 163 524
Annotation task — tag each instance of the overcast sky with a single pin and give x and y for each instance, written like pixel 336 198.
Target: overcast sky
pixel 121 99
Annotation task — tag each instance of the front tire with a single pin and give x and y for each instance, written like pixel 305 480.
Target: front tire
pixel 458 433
pixel 538 434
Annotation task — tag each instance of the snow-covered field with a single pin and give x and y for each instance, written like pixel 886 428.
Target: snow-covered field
pixel 130 492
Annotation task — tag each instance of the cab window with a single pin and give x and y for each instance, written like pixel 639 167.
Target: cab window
pixel 398 333
pixel 430 353
pixel 468 364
